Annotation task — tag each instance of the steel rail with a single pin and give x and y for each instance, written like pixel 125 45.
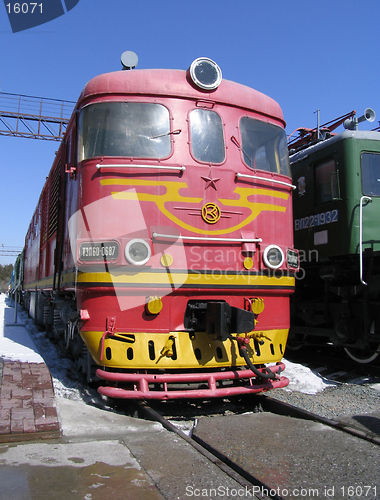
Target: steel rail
pixel 281 408
pixel 219 459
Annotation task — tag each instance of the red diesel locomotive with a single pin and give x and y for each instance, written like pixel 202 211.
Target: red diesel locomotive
pixel 161 248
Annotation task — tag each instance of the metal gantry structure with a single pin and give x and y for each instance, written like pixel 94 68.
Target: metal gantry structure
pixel 34 117
pixel 9 251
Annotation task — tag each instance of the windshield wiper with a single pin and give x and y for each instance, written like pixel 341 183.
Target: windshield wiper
pixel 236 142
pixel 173 132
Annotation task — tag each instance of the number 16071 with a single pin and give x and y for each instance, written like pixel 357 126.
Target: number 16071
pixel 24 8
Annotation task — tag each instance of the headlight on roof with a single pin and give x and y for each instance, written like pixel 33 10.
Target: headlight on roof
pixel 273 257
pixel 205 73
pixel 137 252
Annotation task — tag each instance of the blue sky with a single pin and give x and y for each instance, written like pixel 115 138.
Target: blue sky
pixel 306 55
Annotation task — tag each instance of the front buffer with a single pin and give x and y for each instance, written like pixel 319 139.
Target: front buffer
pixel 205 361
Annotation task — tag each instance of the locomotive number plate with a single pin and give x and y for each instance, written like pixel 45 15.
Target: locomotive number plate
pixel 99 251
pixel 316 220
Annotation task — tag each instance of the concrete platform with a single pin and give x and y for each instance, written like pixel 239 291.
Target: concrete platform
pixel 103 454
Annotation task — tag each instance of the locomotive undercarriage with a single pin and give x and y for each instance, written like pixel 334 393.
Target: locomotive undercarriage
pixel 331 302
pixel 56 312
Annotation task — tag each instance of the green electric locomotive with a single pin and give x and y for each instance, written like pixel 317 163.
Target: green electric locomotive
pixel 337 232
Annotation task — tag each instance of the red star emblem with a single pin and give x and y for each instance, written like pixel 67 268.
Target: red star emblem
pixel 210 182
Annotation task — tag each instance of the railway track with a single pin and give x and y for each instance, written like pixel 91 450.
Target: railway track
pixel 252 420
pixel 258 403
pixel 241 476
pixel 244 478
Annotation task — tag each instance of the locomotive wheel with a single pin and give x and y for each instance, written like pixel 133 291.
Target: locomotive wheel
pixel 362 355
pixel 293 347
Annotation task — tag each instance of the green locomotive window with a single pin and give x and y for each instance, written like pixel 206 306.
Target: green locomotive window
pixel 264 146
pixel 132 129
pixel 207 140
pixel 326 182
pixel 370 174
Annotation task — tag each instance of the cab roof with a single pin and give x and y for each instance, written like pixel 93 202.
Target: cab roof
pixel 175 83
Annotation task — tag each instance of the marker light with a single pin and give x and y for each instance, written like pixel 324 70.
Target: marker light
pixel 137 252
pixel 205 73
pixel 248 263
pixel 273 257
pixel 154 305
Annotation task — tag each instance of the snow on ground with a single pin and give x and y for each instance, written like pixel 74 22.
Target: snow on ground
pixel 15 342
pixel 29 344
pixel 302 379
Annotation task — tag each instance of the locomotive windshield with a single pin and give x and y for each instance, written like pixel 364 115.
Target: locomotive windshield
pixel 207 140
pixel 132 129
pixel 371 174
pixel 264 146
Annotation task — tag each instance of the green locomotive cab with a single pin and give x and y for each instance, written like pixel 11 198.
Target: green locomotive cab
pixel 337 231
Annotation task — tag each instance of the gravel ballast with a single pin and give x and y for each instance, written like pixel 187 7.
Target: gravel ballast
pixel 356 405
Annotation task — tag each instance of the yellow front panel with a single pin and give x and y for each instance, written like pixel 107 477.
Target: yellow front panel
pixel 199 352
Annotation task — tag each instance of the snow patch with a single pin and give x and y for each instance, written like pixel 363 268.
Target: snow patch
pixel 302 379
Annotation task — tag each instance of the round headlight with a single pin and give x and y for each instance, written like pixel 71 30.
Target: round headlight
pixel 205 73
pixel 137 252
pixel 273 257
